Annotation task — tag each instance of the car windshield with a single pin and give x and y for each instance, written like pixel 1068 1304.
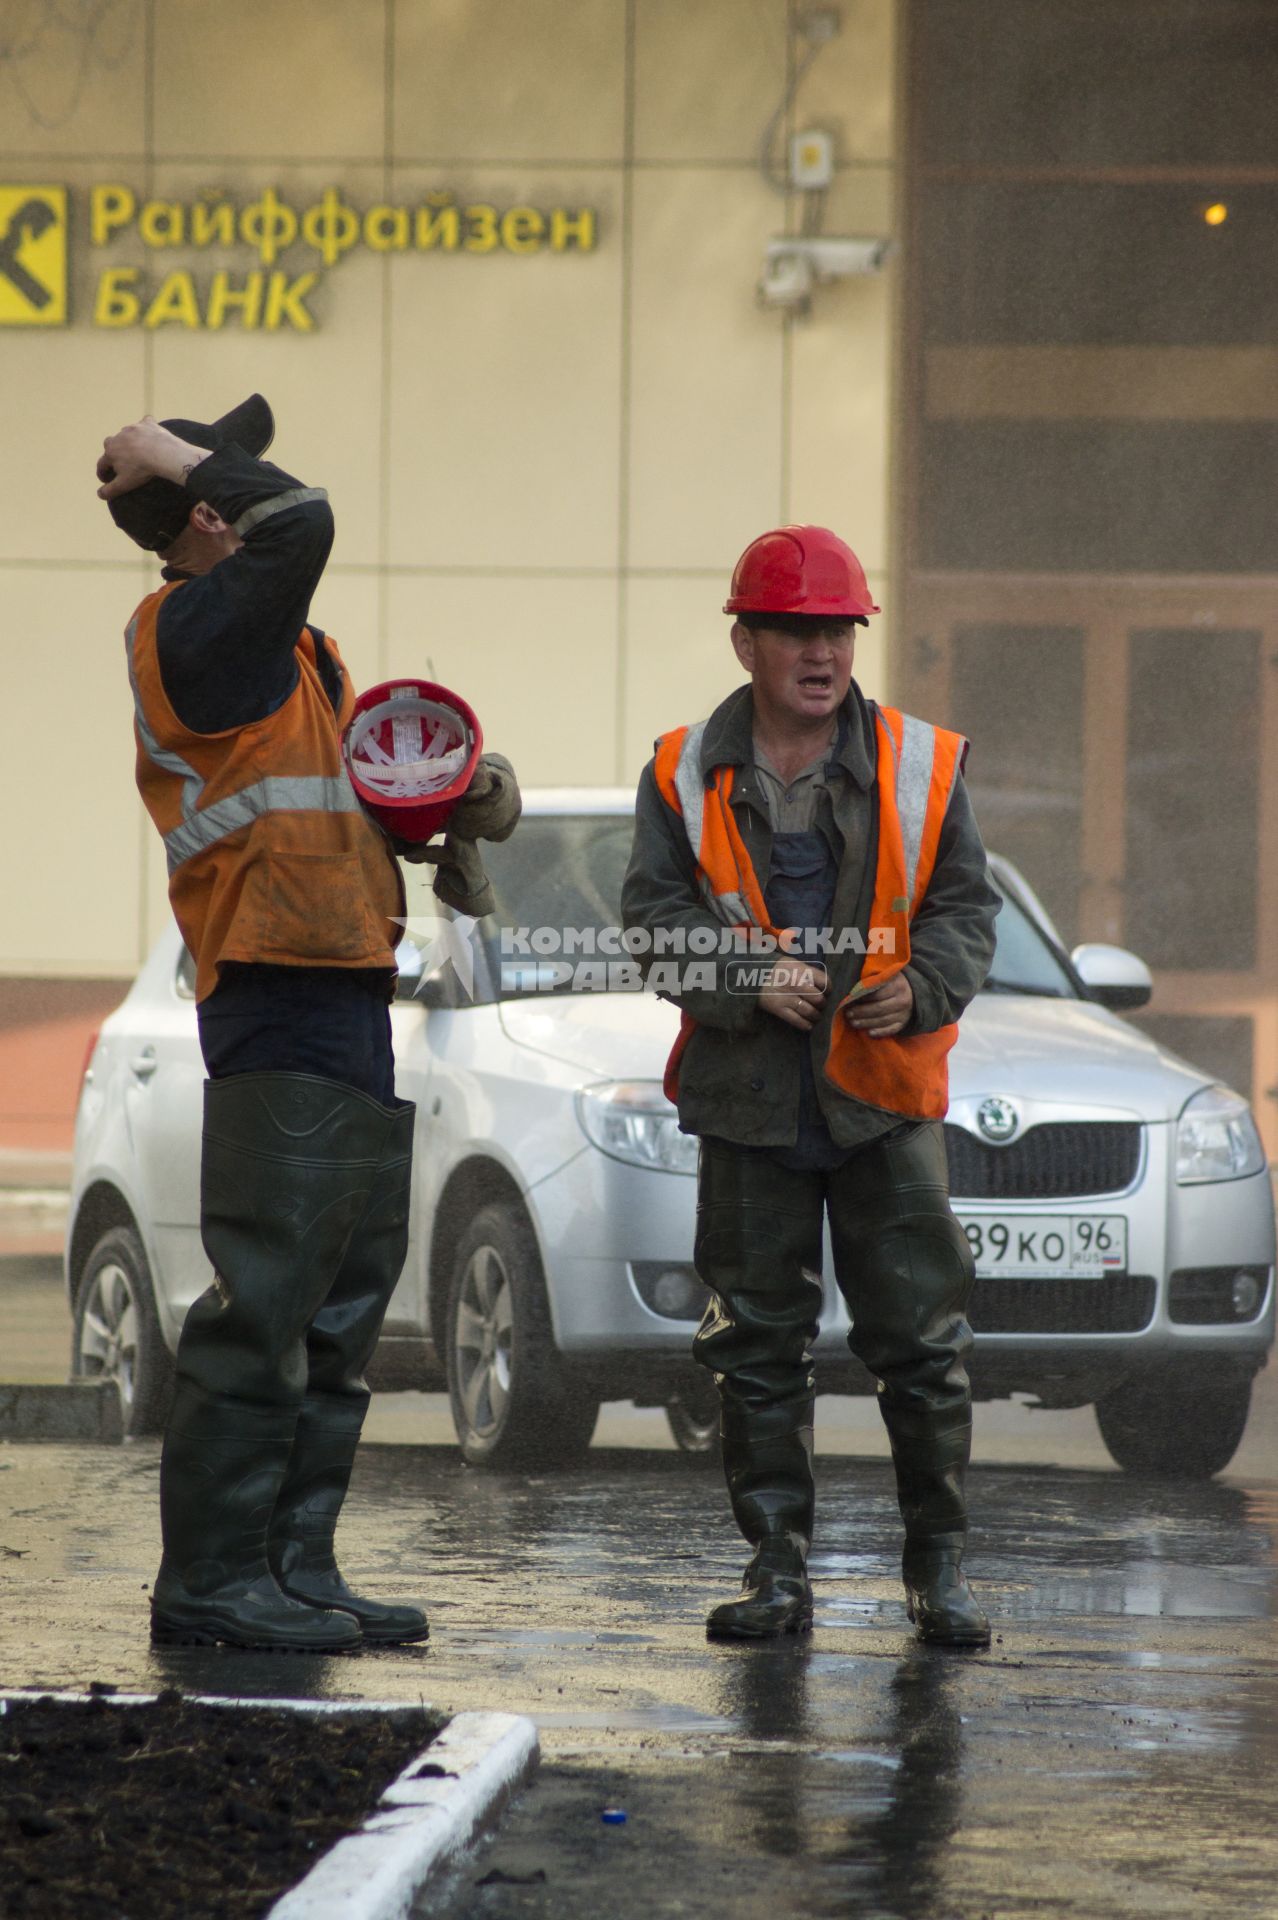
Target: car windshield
pixel 558 887
pixel 1025 961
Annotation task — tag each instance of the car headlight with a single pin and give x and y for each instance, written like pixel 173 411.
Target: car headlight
pixel 1216 1138
pixel 632 1120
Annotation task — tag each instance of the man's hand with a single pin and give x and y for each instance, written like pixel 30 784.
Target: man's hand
pixel 795 992
pixel 884 1010
pixel 145 451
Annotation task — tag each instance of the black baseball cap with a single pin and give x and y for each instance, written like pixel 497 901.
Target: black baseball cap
pixel 155 513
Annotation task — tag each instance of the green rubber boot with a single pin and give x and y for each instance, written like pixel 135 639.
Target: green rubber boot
pixel 220 1475
pixel 930 1448
pixel 758 1248
pixel 339 1344
pixel 905 1269
pixel 305 1520
pixel 289 1171
pixel 767 1458
pixel 938 1599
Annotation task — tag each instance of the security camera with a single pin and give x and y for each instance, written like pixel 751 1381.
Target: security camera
pixel 792 267
pixel 832 257
pixel 787 280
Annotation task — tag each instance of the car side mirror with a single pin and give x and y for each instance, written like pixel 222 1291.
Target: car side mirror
pixel 1113 977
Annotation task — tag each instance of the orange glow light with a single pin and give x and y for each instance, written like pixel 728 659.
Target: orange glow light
pixel 1217 214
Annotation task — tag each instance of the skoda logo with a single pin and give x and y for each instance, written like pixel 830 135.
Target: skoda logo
pixel 997 1119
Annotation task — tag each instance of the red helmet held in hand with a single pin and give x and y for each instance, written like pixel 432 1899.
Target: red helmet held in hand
pixel 800 570
pixel 411 750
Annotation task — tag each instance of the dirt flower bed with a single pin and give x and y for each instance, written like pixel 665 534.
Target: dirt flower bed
pixel 172 1810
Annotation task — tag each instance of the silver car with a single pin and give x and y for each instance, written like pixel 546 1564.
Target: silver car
pixel 1117 1201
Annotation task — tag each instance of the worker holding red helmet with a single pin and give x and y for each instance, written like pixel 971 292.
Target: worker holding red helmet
pixel 829 845
pixel 287 892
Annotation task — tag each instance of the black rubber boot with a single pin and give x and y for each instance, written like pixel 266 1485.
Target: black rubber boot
pixel 339 1345
pixel 930 1449
pixel 220 1474
pixel 938 1598
pixel 767 1457
pixel 758 1249
pixel 905 1269
pixel 290 1163
pixel 288 1169
pixel 305 1519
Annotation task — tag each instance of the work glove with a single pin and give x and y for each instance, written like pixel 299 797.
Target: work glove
pixel 460 881
pixel 488 810
pixel 491 805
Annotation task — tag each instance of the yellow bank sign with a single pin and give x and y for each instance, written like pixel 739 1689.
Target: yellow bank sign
pixel 259 294
pixel 33 256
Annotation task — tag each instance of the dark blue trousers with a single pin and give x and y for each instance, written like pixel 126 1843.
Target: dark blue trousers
pixel 330 1021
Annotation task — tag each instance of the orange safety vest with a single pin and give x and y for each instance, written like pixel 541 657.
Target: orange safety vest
pixel 918 766
pixel 270 855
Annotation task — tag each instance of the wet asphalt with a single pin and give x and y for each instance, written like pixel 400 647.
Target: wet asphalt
pixel 1112 1754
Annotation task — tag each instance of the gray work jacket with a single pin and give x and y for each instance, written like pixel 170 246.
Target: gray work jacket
pixel 739 1077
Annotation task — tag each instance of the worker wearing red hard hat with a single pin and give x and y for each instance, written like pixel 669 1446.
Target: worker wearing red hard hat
pixel 829 845
pixel 288 896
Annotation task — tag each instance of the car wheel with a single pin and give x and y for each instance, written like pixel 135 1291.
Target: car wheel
pixel 1181 1423
pixel 693 1414
pixel 116 1332
pixel 514 1402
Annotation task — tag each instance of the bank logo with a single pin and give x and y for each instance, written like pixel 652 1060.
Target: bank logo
pixel 998 1120
pixel 33 256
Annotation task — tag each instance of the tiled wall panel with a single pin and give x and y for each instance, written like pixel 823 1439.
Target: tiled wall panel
pixel 542 467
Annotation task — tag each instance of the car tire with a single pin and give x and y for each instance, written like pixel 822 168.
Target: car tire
pixel 693 1416
pixel 116 1332
pixel 1181 1423
pixel 515 1404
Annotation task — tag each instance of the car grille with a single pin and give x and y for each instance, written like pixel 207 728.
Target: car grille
pixel 1059 1160
pixel 1109 1303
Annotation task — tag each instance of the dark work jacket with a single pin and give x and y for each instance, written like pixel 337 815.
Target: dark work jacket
pixel 739 1078
pixel 226 642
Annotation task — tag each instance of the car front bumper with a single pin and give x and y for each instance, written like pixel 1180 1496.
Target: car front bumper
pixel 602 1221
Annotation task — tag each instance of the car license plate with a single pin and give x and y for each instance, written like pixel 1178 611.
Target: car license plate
pixel 1046 1246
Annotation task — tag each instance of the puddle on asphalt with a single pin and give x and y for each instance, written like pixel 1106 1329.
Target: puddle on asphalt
pixel 1221 1665
pixel 657 1719
pixel 1149 1589
pixel 560 1637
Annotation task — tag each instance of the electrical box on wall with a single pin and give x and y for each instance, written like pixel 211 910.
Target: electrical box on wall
pixel 811 160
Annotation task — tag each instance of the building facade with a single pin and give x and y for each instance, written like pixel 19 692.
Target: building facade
pixel 496 264
pixel 1086 546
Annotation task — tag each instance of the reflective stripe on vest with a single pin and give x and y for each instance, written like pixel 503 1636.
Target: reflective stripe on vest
pixel 203 827
pixel 271 857
pixel 918 768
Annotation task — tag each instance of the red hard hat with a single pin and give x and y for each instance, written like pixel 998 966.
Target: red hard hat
pixel 410 750
pixel 800 570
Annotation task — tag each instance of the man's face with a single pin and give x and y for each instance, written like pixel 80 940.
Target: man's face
pixel 802 673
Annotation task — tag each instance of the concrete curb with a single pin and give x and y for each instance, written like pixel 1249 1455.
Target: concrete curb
pixel 442 1799
pixel 452 1791
pixel 83 1410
